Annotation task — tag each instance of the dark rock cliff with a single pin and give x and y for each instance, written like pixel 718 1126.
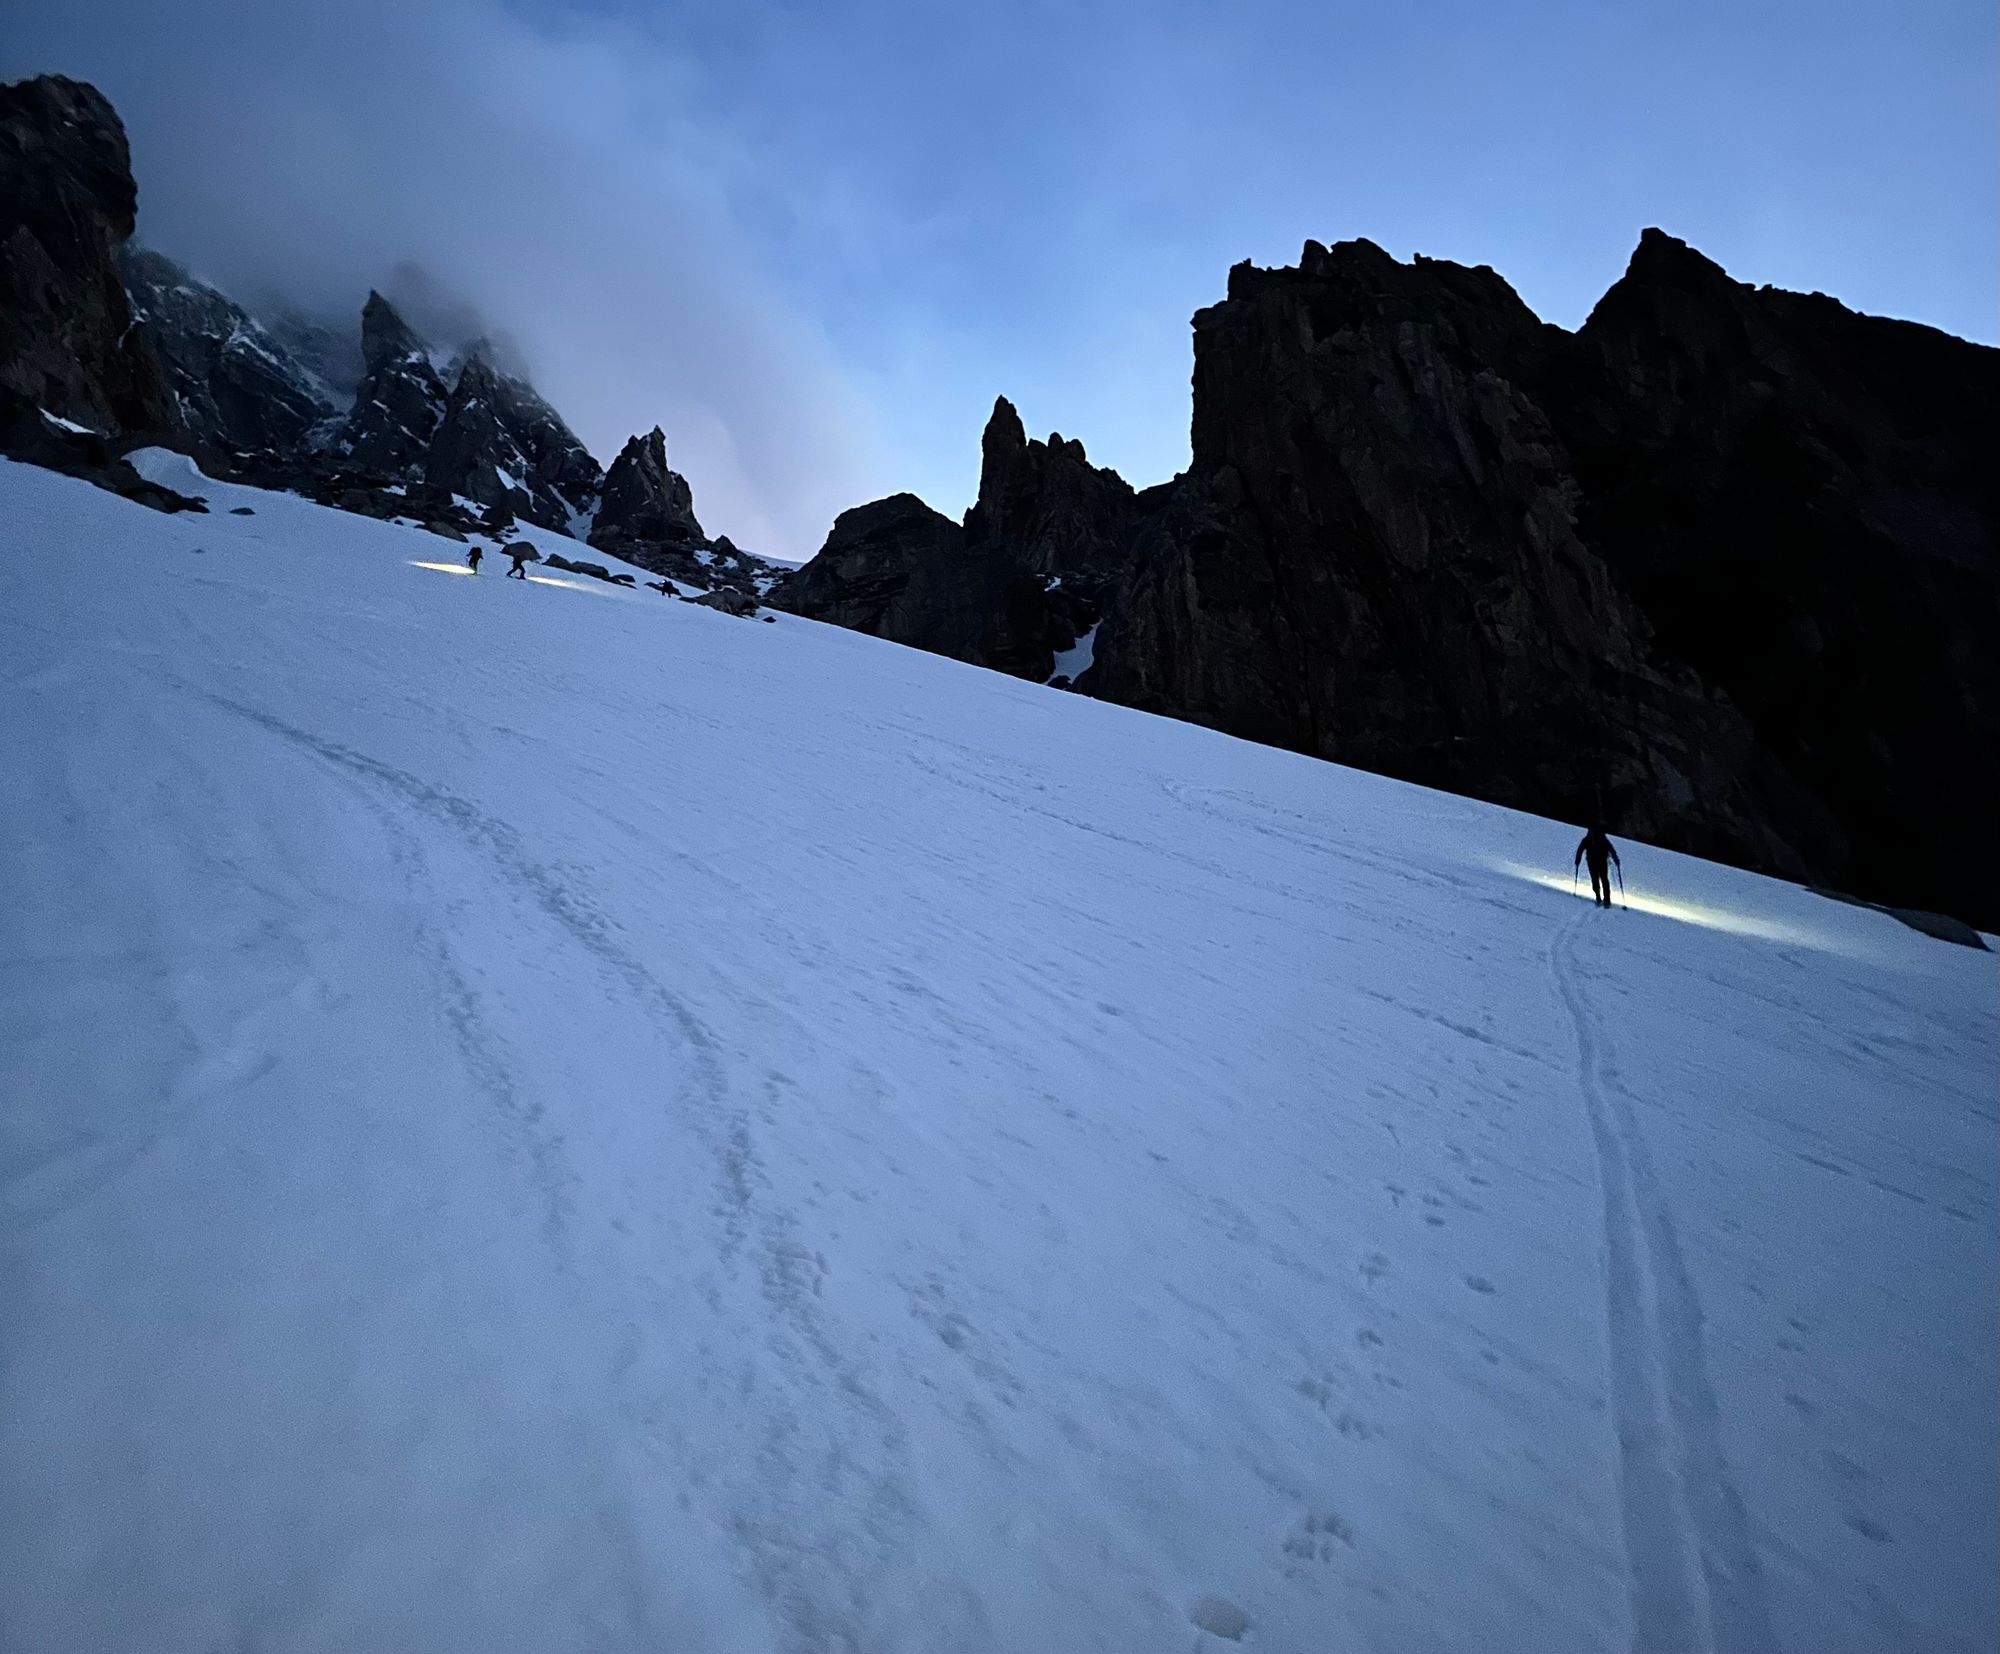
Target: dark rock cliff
pixel 1014 585
pixel 500 444
pixel 1380 563
pixel 67 204
pixel 234 385
pixel 401 400
pixel 1723 560
pixel 902 571
pixel 1805 504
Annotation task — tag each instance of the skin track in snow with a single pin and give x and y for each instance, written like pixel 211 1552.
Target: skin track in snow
pixel 538 1118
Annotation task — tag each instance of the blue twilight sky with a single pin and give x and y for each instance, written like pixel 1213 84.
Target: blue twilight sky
pixel 814 240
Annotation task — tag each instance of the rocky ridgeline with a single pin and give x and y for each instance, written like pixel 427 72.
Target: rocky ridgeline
pixel 105 346
pixel 1726 559
pixel 233 384
pixel 1016 583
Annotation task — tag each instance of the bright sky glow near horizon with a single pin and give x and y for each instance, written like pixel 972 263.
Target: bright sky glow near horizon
pixel 814 242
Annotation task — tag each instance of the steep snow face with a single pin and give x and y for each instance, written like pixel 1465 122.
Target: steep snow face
pixel 540 1117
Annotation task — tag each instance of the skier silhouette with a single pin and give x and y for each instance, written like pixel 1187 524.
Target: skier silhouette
pixel 472 557
pixel 520 554
pixel 1602 854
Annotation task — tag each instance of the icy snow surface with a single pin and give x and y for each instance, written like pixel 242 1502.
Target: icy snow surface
pixel 542 1119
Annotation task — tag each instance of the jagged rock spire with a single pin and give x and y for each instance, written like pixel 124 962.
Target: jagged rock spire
pixel 401 400
pixel 644 498
pixel 1054 509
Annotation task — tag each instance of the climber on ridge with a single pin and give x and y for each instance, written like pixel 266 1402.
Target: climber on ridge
pixel 1602 855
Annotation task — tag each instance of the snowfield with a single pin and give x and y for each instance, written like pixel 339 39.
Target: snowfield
pixel 536 1117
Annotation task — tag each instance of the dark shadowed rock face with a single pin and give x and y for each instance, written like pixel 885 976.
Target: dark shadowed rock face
pixel 330 351
pixel 500 444
pixel 1725 559
pixel 67 203
pixel 646 516
pixel 401 400
pixel 1043 505
pixel 233 384
pixel 902 571
pixel 1806 505
pixel 1378 561
pixel 645 499
pixel 1017 584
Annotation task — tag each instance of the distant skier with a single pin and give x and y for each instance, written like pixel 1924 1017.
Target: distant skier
pixel 1602 855
pixel 521 555
pixel 472 557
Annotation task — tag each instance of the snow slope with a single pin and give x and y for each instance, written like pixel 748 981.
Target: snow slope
pixel 541 1118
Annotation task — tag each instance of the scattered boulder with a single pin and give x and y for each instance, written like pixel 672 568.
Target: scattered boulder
pixel 728 600
pixel 33 438
pixel 596 571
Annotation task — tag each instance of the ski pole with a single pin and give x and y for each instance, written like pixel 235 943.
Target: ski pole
pixel 1619 868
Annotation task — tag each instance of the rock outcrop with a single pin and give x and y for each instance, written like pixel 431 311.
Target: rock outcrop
pixel 1725 560
pixel 902 571
pixel 1011 588
pixel 1043 505
pixel 645 515
pixel 234 386
pixel 645 500
pixel 67 204
pixel 400 403
pixel 1805 505
pixel 330 351
pixel 102 346
pixel 1378 562
pixel 500 444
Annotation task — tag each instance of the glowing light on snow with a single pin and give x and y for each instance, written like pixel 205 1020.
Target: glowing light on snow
pixel 442 568
pixel 1685 912
pixel 567 585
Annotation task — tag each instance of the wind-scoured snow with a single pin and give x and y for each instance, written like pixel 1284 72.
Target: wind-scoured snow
pixel 539 1118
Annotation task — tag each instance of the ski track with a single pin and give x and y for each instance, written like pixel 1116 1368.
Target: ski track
pixel 792 1560
pixel 629 1130
pixel 1696 1582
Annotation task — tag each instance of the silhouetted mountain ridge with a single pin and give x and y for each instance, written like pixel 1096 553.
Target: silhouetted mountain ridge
pixel 1724 558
